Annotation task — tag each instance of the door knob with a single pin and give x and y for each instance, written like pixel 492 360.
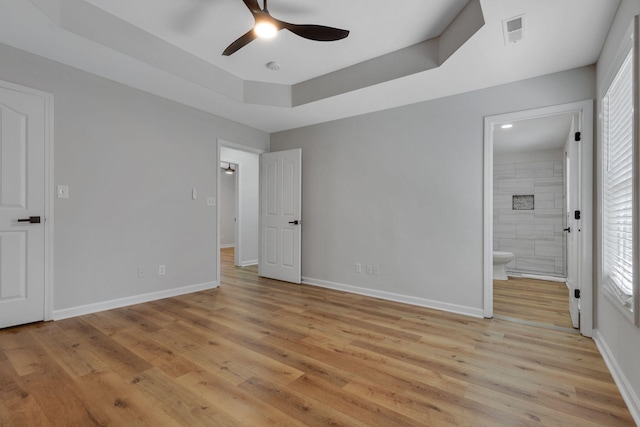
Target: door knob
pixel 568 229
pixel 296 222
pixel 31 220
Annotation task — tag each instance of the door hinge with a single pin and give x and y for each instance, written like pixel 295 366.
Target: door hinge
pixel 576 215
pixel 578 136
pixel 576 293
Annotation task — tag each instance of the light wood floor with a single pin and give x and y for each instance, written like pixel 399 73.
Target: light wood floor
pixel 533 300
pixel 258 352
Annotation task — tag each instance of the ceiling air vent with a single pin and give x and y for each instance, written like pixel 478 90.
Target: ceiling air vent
pixel 513 29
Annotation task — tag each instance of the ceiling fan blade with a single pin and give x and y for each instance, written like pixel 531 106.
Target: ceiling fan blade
pixel 315 32
pixel 253 6
pixel 244 40
pixel 279 8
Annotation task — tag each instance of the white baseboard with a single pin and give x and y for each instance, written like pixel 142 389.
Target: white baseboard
pixel 544 277
pixel 248 263
pixel 421 302
pixel 227 246
pixel 136 299
pixel 628 394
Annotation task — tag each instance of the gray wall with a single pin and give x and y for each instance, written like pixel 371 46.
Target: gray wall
pixel 130 160
pixel 616 335
pixel 535 236
pixel 403 189
pixel 227 202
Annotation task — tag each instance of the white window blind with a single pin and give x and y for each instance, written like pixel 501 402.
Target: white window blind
pixel 617 108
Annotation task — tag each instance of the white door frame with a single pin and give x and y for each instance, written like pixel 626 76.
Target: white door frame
pixel 238 225
pixel 573 202
pixel 585 109
pixel 48 192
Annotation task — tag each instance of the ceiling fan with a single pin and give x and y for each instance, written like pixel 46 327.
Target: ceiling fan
pixel 267 26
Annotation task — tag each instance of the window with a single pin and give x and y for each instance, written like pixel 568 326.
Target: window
pixel 619 231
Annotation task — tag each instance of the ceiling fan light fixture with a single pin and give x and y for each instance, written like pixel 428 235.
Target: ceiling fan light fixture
pixel 265 29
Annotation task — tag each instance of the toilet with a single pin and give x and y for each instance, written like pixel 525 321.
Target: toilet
pixel 500 261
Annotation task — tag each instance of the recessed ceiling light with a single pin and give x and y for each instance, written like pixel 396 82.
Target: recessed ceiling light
pixel 507 126
pixel 273 66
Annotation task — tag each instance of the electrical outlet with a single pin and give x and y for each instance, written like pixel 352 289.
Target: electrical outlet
pixel 211 201
pixel 162 270
pixel 140 272
pixel 358 267
pixel 376 269
pixel 369 269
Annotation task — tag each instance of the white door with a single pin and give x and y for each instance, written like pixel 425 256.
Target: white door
pixel 572 230
pixel 22 202
pixel 280 211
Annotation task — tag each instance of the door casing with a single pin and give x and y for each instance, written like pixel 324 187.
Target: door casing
pixel 572 203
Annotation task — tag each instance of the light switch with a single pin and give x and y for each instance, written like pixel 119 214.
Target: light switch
pixel 194 193
pixel 63 191
pixel 211 201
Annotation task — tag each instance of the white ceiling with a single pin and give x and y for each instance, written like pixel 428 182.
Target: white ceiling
pixel 544 133
pixel 172 48
pixel 206 27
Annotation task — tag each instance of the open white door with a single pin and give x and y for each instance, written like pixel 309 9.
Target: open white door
pixel 280 211
pixel 22 202
pixel 573 214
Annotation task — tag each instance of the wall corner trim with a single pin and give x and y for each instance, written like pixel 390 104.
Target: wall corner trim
pixel 628 394
pixel 406 299
pixel 136 299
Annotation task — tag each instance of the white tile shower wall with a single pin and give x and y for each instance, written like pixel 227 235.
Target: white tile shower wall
pixel 536 237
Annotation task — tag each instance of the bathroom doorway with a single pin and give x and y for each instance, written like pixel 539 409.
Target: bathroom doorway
pixel 528 198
